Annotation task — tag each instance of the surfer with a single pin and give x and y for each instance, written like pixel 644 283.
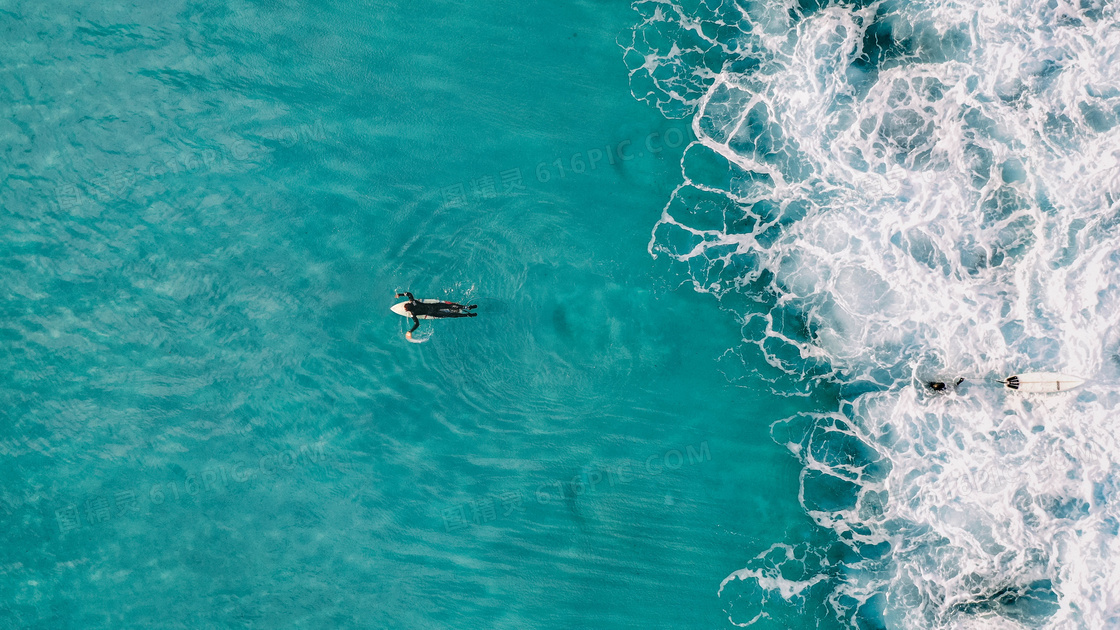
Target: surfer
pixel 434 310
pixel 939 386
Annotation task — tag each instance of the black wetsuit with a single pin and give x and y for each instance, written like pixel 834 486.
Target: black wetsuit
pixel 438 310
pixel 939 386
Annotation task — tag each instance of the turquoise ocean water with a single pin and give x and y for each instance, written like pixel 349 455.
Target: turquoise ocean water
pixel 717 249
pixel 211 418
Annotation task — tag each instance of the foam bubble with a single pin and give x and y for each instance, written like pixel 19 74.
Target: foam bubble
pixel 912 192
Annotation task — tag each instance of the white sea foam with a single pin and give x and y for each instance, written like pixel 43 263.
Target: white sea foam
pixel 949 206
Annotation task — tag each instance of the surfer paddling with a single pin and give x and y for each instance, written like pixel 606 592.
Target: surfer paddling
pixel 432 309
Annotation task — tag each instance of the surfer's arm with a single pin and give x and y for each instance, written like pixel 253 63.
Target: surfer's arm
pixel 407 295
pixel 415 324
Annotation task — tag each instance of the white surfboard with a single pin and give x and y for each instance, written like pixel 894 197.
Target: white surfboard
pixel 1036 382
pixel 399 309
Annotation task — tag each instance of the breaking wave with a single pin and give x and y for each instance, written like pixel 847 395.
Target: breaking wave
pixel 896 192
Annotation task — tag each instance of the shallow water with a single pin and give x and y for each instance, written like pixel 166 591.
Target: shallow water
pixel 717 249
pixel 211 419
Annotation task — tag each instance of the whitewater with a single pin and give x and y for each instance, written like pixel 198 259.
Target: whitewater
pixel 897 192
